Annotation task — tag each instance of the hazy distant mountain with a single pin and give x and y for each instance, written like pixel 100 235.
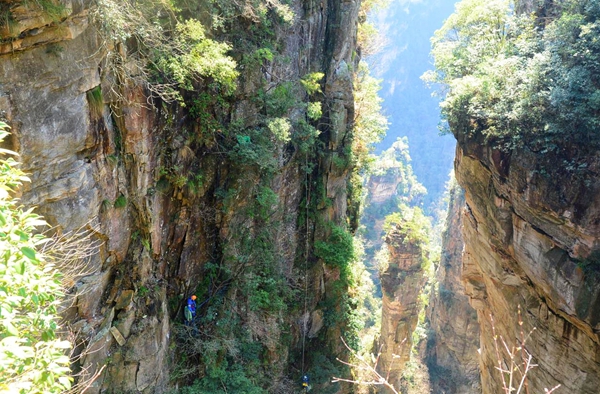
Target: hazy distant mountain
pixel 407 27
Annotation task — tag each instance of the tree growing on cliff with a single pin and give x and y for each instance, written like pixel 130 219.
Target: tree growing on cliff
pixel 521 80
pixel 32 357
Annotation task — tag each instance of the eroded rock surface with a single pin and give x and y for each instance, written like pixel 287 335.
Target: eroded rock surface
pixel 452 356
pixel 401 285
pixel 100 167
pixel 532 231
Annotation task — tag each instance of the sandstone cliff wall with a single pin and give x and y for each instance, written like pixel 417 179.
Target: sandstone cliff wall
pixel 451 355
pixel 531 231
pixel 401 285
pixel 101 168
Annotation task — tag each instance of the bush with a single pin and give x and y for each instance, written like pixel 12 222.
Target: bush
pixel 195 56
pixel 338 250
pixel 516 81
pixel 32 358
pixel 222 378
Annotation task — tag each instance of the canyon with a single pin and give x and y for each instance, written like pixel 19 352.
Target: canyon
pixel 208 195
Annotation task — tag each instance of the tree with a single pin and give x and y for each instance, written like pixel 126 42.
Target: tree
pixel 32 357
pixel 519 82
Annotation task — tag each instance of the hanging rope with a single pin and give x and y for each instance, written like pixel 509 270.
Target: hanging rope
pixel 304 317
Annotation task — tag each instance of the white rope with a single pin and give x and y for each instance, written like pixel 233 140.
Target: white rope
pixel 304 316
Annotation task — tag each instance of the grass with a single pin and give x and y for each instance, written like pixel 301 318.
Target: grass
pixel 120 202
pixel 95 102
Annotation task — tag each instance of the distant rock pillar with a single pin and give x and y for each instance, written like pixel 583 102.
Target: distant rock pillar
pixel 401 284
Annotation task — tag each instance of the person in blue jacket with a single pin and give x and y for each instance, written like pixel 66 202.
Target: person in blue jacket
pixel 306 383
pixel 189 312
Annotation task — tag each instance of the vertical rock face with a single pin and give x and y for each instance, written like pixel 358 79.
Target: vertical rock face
pixel 101 167
pixel 532 232
pixel 452 357
pixel 401 285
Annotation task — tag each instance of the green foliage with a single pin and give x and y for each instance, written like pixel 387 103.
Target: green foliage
pixel 222 378
pixel 120 202
pixel 224 14
pixel 254 148
pixel 314 110
pixel 370 124
pixel 280 127
pixel 411 223
pixel 415 229
pixel 258 57
pixel 202 108
pixel 305 136
pixel 324 369
pixel 143 291
pixel 6 17
pixel 395 162
pixel 197 57
pixel 518 83
pixel 195 183
pixel 172 53
pixel 278 101
pixel 52 8
pixel 32 358
pixel 391 166
pixel 338 251
pixel 11 13
pixel 266 201
pixel 311 82
pixel 367 35
pixel 95 102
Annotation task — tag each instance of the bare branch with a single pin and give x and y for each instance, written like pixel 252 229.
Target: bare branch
pixel 374 378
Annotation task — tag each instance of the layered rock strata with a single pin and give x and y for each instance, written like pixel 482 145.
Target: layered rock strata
pixel 401 285
pixel 100 167
pixel 532 232
pixel 452 357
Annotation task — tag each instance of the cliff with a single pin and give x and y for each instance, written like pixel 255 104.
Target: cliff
pixel 451 356
pixel 402 282
pixel 527 158
pixel 181 204
pixel 391 183
pixel 529 241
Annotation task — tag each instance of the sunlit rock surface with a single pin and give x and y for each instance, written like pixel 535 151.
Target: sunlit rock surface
pixel 97 166
pixel 401 284
pixel 452 356
pixel 531 231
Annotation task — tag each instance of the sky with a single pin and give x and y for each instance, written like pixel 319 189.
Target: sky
pixel 406 27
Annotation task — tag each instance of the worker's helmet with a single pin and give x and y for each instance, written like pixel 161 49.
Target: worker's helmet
pixel 193 297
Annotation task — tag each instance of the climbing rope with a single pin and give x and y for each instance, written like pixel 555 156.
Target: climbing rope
pixel 304 317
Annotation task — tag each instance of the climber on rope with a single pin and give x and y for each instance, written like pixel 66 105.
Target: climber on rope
pixel 189 312
pixel 306 383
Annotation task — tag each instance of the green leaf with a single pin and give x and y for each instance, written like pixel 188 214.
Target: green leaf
pixel 2 219
pixel 28 252
pixel 65 381
pixel 10 328
pixel 20 268
pixel 23 236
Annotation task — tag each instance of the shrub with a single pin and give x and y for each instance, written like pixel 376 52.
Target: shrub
pixel 120 202
pixel 338 250
pixel 32 358
pixel 195 57
pixel 311 82
pixel 518 82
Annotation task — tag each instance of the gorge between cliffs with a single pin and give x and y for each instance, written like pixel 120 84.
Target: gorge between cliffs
pixel 225 150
